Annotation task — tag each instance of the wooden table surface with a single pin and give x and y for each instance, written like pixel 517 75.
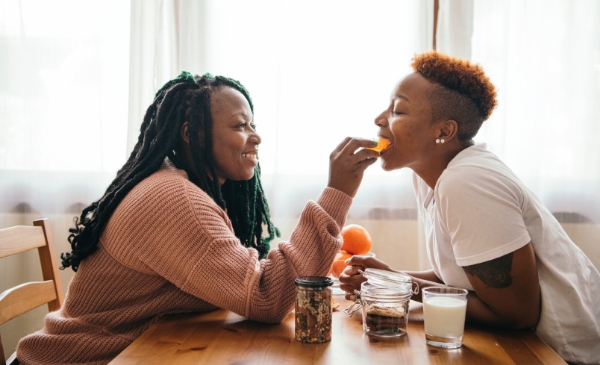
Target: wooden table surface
pixel 223 337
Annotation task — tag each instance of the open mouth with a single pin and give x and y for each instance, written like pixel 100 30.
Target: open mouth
pixel 251 155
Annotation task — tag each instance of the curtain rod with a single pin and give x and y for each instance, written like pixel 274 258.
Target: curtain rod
pixel 436 7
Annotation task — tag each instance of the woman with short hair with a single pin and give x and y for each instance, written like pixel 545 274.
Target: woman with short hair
pixel 485 230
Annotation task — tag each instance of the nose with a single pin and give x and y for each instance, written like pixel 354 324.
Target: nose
pixel 255 138
pixel 381 120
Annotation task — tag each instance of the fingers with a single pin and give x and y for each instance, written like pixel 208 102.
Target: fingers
pixel 347 165
pixel 362 262
pixel 367 262
pixel 351 269
pixel 350 145
pixel 351 279
pixel 357 260
pixel 352 276
pixel 366 162
pixel 353 144
pixel 349 288
pixel 356 150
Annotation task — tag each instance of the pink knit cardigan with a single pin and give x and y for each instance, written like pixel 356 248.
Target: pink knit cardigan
pixel 169 248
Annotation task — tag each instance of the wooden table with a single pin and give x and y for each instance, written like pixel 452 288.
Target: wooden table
pixel 223 337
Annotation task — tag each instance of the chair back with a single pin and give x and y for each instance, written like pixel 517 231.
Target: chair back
pixel 27 296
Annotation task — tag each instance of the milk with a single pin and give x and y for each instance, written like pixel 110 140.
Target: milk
pixel 444 316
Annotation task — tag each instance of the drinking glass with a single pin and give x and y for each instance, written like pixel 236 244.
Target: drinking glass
pixel 444 311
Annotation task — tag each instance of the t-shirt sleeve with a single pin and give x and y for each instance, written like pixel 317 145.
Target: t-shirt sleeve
pixel 481 211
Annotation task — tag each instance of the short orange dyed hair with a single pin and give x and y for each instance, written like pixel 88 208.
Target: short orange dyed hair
pixel 464 92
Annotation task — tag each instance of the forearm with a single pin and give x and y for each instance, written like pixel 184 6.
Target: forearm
pixel 477 311
pixel 316 237
pixel 428 275
pixel 480 313
pixel 506 290
pixel 422 279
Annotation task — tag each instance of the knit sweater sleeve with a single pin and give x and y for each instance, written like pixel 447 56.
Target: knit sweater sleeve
pixel 181 234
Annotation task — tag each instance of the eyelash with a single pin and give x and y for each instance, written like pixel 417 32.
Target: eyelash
pixel 243 125
pixel 395 113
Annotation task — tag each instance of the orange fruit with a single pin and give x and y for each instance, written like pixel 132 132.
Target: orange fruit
pixel 342 256
pixel 357 240
pixel 339 263
pixel 382 144
pixel 338 268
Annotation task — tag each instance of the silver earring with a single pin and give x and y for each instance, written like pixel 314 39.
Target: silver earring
pixel 437 141
pixel 442 140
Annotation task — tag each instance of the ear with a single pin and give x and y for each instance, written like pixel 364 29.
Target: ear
pixel 448 129
pixel 185 136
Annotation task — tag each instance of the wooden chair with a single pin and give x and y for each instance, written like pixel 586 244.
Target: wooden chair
pixel 27 296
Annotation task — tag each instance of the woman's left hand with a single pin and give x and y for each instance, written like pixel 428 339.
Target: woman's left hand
pixel 352 277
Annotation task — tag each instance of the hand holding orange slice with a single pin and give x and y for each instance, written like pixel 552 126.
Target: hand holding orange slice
pixel 382 144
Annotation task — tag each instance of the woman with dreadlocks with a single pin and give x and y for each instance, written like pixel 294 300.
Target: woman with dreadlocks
pixel 180 228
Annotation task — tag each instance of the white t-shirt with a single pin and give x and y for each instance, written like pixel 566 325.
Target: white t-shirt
pixel 479 211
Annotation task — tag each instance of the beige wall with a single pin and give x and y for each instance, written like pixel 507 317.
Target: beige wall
pixel 397 243
pixel 587 237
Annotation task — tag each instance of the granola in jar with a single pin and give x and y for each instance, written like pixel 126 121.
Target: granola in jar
pixel 313 309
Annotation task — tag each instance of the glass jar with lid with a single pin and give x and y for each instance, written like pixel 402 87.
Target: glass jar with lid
pixel 313 309
pixel 384 299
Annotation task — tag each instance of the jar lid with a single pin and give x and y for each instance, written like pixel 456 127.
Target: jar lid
pixel 385 294
pixel 384 278
pixel 314 281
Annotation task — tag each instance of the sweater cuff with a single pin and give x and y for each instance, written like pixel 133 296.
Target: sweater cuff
pixel 336 203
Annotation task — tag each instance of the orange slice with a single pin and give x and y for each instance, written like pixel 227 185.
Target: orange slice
pixel 382 144
pixel 334 305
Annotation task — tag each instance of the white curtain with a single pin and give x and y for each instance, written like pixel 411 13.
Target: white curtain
pixel 544 58
pixel 318 71
pixel 159 30
pixel 63 122
pixel 76 78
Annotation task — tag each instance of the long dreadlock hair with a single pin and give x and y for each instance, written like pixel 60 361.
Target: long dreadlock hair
pixel 185 98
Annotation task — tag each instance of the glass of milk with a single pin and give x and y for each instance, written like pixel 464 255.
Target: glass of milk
pixel 444 312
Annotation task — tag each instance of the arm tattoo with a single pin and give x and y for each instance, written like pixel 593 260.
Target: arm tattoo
pixel 494 273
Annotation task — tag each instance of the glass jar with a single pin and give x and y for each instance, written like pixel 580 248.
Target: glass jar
pixel 313 309
pixel 384 299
